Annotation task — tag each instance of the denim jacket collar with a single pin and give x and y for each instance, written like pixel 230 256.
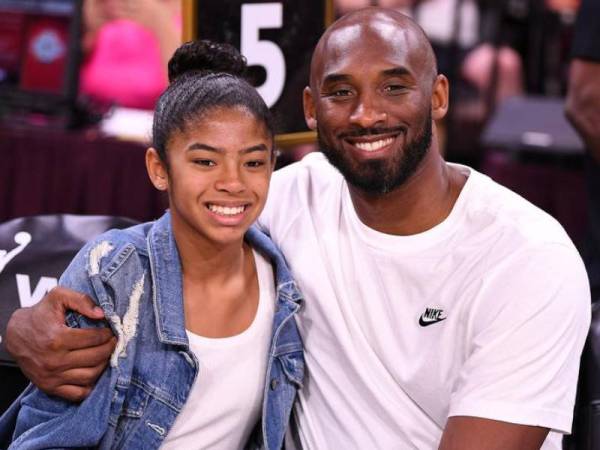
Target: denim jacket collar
pixel 286 286
pixel 168 282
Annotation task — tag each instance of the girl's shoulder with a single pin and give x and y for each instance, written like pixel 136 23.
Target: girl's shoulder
pixel 135 236
pixel 106 253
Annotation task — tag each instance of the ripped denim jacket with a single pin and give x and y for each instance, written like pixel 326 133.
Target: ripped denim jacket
pixel 135 276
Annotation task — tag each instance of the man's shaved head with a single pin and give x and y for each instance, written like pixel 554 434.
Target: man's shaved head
pixel 350 32
pixel 374 92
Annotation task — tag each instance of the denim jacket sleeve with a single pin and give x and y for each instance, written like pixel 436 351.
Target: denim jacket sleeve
pixel 41 421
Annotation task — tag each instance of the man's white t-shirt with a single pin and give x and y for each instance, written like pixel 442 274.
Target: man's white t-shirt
pixel 483 315
pixel 225 402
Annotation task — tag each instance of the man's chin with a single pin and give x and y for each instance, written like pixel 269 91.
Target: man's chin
pixel 366 176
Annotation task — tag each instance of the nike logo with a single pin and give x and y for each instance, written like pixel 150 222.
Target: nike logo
pixel 431 316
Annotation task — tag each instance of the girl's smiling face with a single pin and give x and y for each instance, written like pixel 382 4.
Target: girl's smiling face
pixel 218 174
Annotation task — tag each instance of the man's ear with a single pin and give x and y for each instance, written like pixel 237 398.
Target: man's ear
pixel 309 108
pixel 157 170
pixel 440 97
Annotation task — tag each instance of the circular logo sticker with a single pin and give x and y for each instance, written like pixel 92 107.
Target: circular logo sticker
pixel 48 46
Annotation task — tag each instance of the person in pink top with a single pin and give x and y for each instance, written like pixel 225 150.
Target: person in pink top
pixel 127 44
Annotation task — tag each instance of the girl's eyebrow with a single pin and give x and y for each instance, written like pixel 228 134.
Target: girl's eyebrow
pixel 200 146
pixel 206 147
pixel 255 148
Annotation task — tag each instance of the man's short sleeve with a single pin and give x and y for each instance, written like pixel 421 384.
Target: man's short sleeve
pixel 527 330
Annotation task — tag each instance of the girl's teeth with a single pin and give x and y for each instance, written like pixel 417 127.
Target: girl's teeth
pixel 373 146
pixel 226 210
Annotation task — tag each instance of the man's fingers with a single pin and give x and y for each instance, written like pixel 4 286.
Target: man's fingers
pixel 83 338
pixel 83 377
pixel 90 356
pixel 72 393
pixel 76 384
pixel 65 299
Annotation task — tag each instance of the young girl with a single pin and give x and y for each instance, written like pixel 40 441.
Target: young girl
pixel 208 355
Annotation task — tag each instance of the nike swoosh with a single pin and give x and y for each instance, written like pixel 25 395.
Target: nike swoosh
pixel 426 323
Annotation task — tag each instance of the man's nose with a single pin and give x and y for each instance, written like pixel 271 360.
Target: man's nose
pixel 368 112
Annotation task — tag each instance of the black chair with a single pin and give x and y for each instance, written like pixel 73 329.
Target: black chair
pixel 34 251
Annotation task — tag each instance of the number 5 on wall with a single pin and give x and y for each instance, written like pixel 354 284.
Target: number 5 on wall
pixel 257 16
pixel 275 35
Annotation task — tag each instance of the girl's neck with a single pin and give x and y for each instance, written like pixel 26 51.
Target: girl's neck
pixel 220 284
pixel 206 262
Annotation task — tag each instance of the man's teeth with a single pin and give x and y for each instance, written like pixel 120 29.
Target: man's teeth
pixel 226 210
pixel 372 146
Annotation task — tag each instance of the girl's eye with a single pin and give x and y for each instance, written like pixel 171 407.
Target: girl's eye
pixel 204 162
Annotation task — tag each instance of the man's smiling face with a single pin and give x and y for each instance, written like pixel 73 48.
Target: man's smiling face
pixel 370 98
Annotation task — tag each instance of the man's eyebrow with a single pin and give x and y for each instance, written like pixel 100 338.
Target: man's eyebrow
pixel 397 72
pixel 335 77
pixel 393 72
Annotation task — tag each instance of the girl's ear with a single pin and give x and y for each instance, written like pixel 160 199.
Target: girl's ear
pixel 157 170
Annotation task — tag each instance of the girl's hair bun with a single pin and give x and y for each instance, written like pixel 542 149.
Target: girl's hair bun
pixel 205 56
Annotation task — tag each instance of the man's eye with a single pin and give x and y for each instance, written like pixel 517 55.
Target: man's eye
pixel 394 88
pixel 341 93
pixel 336 92
pixel 204 162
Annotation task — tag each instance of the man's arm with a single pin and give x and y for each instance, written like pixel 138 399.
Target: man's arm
pixel 525 329
pixel 583 98
pixel 474 433
pixel 61 361
pixel 583 103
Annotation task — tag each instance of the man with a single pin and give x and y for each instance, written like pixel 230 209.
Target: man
pixel 583 109
pixel 442 310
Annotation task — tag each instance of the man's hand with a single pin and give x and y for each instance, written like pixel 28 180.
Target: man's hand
pixel 61 361
pixel 583 103
pixel 474 433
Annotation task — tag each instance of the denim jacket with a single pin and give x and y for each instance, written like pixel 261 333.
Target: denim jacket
pixel 135 276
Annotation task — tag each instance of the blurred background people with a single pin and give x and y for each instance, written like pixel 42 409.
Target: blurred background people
pixel 127 44
pixel 583 110
pixel 462 49
pixel 490 50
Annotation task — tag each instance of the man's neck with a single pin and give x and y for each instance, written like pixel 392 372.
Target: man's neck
pixel 419 204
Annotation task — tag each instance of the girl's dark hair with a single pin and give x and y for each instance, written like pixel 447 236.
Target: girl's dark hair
pixel 204 75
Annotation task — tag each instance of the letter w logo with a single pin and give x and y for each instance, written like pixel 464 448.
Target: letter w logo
pixel 27 297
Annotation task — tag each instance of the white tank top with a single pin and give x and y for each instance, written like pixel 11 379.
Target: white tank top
pixel 225 401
